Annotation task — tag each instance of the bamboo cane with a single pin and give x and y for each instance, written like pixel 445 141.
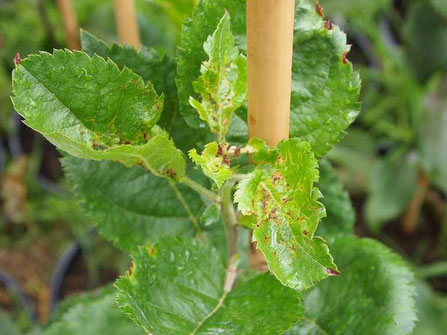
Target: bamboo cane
pixel 70 24
pixel 270 45
pixel 126 23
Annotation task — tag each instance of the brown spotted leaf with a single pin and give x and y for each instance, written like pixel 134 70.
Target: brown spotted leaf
pixel 284 200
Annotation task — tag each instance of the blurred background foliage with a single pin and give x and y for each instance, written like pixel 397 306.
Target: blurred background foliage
pixel 393 160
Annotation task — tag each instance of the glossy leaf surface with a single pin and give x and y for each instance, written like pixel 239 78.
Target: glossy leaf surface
pixel 90 109
pixel 130 206
pixel 177 287
pixel 374 294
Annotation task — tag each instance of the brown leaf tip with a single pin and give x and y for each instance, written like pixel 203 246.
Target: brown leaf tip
pixel 344 58
pixel 332 272
pixel 152 251
pixel 17 59
pixel 328 24
pixel 319 10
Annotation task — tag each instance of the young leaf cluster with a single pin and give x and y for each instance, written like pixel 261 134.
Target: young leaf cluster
pixel 127 162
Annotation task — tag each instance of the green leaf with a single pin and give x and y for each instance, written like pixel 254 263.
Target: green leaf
pixel 7 326
pixel 129 206
pixel 210 215
pixel 359 13
pixel 374 294
pixel 155 67
pixel 432 311
pixel 425 37
pixel 441 6
pixel 222 84
pixel 340 213
pixel 151 64
pixel 325 88
pixel 212 163
pixel 178 287
pixel 285 202
pixel 393 182
pixel 90 109
pixel 94 313
pixel 433 137
pixel 190 52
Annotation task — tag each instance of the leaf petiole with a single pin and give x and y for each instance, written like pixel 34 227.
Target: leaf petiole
pixel 200 189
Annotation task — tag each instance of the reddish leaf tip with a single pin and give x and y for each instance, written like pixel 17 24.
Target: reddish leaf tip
pixel 17 59
pixel 319 10
pixel 332 272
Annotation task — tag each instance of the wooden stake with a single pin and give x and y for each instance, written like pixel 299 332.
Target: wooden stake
pixel 126 22
pixel 270 46
pixel 70 24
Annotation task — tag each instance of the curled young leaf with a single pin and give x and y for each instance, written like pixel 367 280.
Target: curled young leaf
pixel 222 84
pixel 213 162
pixel 325 88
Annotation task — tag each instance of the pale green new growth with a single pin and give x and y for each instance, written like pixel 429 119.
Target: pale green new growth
pixel 222 84
pixel 212 163
pixel 325 88
pixel 179 287
pixel 284 200
pixel 90 109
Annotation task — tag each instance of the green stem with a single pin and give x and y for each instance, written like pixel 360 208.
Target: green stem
pixel 433 270
pixel 200 189
pixel 191 215
pixel 229 218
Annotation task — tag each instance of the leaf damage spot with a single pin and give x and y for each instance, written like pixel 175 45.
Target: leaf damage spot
pixel 152 250
pixel 171 173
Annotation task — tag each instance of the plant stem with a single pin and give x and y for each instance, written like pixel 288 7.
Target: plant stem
pixel 191 215
pixel 200 189
pixel 433 270
pixel 411 218
pixel 230 219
